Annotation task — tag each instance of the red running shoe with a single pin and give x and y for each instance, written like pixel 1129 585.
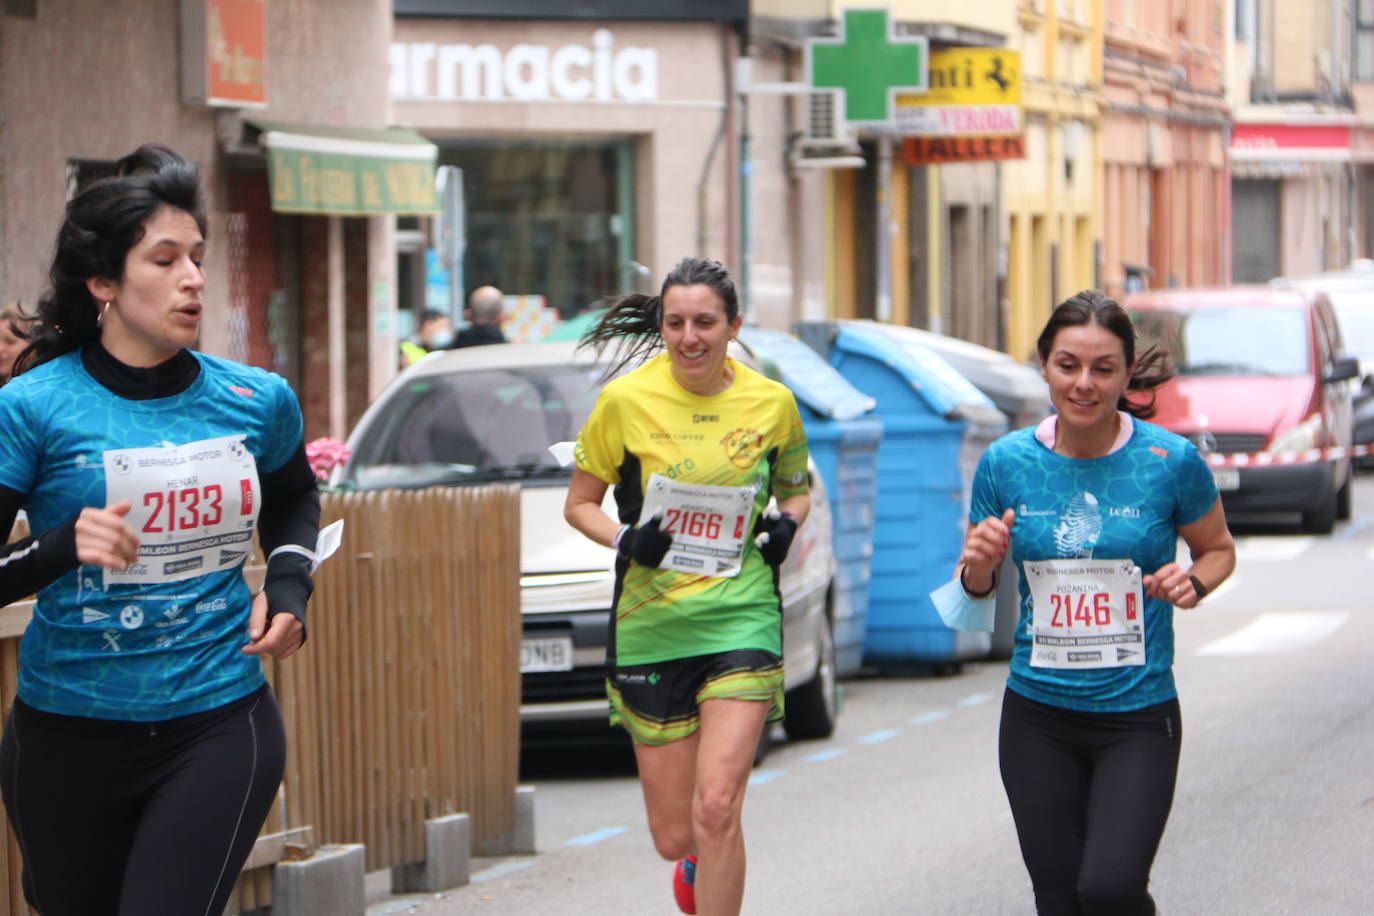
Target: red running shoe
pixel 684 884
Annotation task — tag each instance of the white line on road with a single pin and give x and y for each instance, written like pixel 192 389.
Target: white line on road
pixel 759 777
pixel 1353 528
pixel 926 718
pixel 976 699
pixel 596 836
pixel 1279 547
pixel 875 737
pixel 822 756
pixel 1223 588
pixel 498 871
pixel 1280 631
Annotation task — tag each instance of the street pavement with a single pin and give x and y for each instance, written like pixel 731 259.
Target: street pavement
pixel 902 810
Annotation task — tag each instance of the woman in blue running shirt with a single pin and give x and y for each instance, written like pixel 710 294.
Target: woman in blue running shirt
pixel 144 749
pixel 1091 503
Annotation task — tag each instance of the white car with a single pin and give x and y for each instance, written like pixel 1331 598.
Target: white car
pixel 489 414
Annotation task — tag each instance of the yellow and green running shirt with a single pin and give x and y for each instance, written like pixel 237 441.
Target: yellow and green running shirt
pixel 645 423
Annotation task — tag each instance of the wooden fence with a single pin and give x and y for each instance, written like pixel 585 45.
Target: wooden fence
pixel 404 703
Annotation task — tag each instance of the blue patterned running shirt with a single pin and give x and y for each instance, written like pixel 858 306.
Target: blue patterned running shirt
pixel 1126 505
pixel 162 639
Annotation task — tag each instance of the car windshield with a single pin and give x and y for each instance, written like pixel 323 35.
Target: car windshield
pixel 474 426
pixel 1228 341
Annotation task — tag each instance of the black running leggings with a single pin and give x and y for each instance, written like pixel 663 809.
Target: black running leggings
pixel 137 819
pixel 1090 794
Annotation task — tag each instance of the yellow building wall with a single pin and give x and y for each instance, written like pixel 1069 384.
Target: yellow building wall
pixel 1052 199
pixel 988 15
pixel 843 247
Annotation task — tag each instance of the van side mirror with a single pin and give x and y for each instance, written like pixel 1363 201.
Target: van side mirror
pixel 1342 368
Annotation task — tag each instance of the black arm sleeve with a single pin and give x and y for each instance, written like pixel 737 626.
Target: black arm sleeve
pixel 32 562
pixel 290 516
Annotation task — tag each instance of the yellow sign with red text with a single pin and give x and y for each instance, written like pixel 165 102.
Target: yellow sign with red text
pixel 973 92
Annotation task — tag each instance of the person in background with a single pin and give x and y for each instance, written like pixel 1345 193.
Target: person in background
pixel 1091 503
pixel 696 446
pixel 14 337
pixel 435 332
pixel 145 747
pixel 486 308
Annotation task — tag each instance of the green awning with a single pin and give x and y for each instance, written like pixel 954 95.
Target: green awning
pixel 348 171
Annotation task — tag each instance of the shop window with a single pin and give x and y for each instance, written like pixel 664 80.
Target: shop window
pixel 551 219
pixel 1364 41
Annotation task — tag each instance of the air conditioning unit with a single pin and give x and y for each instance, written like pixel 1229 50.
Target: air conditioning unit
pixel 826 132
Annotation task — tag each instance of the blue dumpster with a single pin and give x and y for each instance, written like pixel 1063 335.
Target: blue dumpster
pixel 936 425
pixel 843 434
pixel 1020 392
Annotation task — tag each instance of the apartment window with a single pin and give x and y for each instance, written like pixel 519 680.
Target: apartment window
pixel 1364 41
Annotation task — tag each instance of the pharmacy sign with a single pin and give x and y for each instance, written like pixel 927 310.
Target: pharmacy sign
pixel 867 66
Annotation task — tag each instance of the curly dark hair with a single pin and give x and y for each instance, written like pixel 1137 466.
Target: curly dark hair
pixel 101 225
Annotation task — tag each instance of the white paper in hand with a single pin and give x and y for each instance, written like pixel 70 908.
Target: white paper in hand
pixel 562 452
pixel 331 536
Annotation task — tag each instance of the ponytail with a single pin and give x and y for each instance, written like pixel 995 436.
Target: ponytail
pixel 632 324
pixel 635 321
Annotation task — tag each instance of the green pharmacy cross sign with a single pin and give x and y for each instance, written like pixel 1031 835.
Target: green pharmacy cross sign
pixel 867 65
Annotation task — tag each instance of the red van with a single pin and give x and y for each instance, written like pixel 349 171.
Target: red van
pixel 1261 372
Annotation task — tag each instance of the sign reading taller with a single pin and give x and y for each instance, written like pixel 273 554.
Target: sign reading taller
pixel 868 65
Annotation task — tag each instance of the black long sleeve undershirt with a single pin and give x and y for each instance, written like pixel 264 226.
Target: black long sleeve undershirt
pixel 290 515
pixel 290 511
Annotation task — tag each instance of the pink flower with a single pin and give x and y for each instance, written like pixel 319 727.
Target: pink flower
pixel 325 454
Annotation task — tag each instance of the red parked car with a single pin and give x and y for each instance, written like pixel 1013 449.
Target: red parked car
pixel 1260 370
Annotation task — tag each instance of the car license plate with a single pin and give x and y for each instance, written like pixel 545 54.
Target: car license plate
pixel 549 653
pixel 1226 478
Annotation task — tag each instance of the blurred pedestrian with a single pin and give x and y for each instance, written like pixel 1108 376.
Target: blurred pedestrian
pixel 1091 503
pixel 486 308
pixel 144 749
pixel 696 445
pixel 435 332
pixel 14 337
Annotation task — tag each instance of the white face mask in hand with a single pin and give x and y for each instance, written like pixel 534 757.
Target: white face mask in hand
pixel 961 612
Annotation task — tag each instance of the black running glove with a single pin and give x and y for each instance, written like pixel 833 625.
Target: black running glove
pixel 647 545
pixel 774 532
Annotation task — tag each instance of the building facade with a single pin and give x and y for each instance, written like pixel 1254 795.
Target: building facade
pixel 1301 149
pixel 869 226
pixel 1165 130
pixel 597 145
pixel 1053 198
pixel 300 278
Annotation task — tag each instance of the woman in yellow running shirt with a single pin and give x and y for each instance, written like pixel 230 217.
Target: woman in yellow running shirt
pixel 696 445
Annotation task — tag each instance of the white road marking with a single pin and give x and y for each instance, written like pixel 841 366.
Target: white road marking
pixel 1222 589
pixel 1280 631
pixel 875 737
pixel 498 871
pixel 759 777
pixel 596 836
pixel 827 754
pixel 976 699
pixel 926 718
pixel 1279 547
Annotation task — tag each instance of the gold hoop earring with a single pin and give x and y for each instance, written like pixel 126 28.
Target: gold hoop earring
pixel 105 308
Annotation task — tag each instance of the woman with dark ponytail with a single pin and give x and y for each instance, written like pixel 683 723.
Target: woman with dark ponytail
pixel 696 446
pixel 144 748
pixel 1091 502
